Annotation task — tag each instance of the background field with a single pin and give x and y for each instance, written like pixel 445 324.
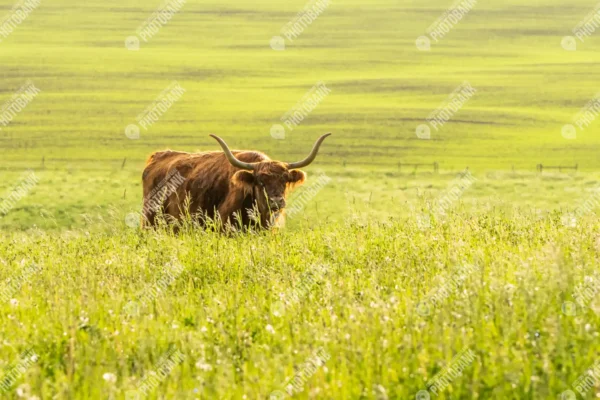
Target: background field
pixel 366 224
pixel 382 87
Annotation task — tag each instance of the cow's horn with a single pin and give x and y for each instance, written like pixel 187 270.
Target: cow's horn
pixel 234 161
pixel 311 157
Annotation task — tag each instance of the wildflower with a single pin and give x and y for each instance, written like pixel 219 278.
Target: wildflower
pixel 23 390
pixel 109 377
pixel 203 366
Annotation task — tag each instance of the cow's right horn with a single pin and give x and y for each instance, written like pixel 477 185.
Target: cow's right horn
pixel 234 161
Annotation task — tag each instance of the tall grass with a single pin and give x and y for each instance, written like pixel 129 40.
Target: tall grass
pixel 246 321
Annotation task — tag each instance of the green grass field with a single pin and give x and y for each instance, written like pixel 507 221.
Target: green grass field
pixel 224 312
pixel 382 88
pixel 373 228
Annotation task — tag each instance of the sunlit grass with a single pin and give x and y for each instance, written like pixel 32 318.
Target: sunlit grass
pixel 362 311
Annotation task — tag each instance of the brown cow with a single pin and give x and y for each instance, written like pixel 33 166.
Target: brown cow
pixel 238 188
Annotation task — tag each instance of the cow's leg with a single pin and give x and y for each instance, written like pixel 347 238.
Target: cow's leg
pixel 148 219
pixel 148 211
pixel 232 203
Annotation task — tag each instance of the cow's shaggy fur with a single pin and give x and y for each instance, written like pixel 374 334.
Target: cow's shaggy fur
pixel 211 187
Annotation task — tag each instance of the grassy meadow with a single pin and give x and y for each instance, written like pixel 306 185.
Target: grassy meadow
pixel 224 312
pixel 353 275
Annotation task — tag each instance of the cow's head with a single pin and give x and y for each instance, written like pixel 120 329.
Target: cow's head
pixel 270 180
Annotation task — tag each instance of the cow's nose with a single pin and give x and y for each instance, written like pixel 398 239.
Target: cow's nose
pixel 277 202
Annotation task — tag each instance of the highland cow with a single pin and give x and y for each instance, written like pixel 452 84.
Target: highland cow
pixel 239 189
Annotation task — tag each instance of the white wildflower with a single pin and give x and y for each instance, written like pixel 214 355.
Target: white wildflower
pixel 109 377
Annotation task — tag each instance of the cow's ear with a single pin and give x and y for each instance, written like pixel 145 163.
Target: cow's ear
pixel 296 177
pixel 243 178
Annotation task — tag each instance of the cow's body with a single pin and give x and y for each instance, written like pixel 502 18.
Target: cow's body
pixel 236 188
pixel 208 184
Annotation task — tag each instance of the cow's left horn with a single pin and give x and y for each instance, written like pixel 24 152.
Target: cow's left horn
pixel 234 161
pixel 311 157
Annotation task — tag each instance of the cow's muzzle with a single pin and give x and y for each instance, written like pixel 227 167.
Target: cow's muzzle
pixel 277 203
